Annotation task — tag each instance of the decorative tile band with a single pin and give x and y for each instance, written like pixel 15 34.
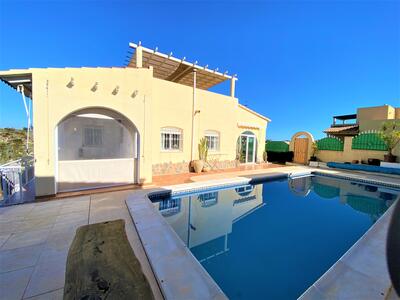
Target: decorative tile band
pixel 184 167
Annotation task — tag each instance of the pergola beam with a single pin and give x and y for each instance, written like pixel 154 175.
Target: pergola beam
pixel 144 49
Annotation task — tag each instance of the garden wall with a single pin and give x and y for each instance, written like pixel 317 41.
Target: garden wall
pixel 348 154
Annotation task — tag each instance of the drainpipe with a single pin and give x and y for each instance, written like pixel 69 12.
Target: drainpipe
pixel 193 113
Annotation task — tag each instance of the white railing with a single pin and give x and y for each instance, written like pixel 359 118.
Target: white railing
pixel 16 180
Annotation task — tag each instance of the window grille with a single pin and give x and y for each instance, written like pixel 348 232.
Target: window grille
pixel 93 136
pixel 171 139
pixel 212 138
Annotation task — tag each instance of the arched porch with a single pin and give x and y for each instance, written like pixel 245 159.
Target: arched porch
pixel 95 147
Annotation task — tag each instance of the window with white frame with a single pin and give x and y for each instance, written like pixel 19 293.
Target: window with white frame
pixel 93 136
pixel 212 138
pixel 171 139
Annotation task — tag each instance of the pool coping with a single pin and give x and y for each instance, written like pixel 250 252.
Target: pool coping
pixel 350 266
pixel 353 267
pixel 177 271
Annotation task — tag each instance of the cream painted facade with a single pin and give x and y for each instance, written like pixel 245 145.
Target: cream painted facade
pixel 371 118
pixel 142 102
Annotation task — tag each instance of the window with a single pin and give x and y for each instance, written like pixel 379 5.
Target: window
pixel 93 136
pixel 212 138
pixel 208 199
pixel 171 139
pixel 170 207
pixel 244 190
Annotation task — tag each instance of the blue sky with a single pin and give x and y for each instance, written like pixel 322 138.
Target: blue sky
pixel 298 63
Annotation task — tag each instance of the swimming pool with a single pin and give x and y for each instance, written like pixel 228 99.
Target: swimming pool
pixel 274 239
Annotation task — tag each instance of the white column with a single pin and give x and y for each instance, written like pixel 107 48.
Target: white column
pixel 193 113
pixel 233 80
pixel 139 57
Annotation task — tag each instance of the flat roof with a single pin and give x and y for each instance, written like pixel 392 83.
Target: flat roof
pixel 177 70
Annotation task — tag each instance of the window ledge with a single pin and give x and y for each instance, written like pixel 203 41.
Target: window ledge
pixel 171 151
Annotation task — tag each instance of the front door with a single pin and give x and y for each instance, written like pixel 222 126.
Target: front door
pixel 300 150
pixel 247 149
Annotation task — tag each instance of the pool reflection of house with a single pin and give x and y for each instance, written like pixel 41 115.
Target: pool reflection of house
pixel 364 198
pixel 207 219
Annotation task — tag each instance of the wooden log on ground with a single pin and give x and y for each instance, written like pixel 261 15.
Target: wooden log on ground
pixel 102 265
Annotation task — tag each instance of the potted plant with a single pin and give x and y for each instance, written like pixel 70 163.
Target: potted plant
pixel 314 151
pixel 265 156
pixel 390 134
pixel 198 165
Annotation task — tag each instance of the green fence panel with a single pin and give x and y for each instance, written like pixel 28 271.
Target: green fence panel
pixel 368 141
pixel 276 146
pixel 330 143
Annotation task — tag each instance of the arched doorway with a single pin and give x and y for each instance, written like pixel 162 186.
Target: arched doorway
pixel 96 147
pixel 247 147
pixel 301 145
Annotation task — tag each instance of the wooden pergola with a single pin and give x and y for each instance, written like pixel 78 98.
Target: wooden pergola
pixel 170 68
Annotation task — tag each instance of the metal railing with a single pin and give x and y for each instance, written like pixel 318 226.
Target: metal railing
pixel 16 180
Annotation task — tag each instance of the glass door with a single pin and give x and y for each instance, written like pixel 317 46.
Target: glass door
pixel 247 149
pixel 243 149
pixel 250 149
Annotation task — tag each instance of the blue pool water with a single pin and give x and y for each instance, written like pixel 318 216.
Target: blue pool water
pixel 273 240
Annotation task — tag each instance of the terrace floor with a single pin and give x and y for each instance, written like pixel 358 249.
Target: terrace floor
pixel 163 180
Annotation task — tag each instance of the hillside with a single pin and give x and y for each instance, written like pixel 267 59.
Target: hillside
pixel 13 143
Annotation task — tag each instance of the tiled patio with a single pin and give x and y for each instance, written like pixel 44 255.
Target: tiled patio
pixel 35 238
pixel 163 180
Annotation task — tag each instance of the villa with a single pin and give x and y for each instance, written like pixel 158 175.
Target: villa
pixel 96 127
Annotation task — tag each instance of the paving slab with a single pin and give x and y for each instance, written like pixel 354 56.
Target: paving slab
pixel 24 239
pixel 13 284
pixel 19 258
pixel 49 273
pixel 54 295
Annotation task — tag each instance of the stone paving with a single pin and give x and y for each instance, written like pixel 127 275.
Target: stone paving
pixel 35 238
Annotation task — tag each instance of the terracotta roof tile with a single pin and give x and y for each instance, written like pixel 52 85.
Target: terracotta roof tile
pixel 342 129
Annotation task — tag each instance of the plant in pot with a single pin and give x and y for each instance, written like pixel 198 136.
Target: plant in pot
pixel 390 134
pixel 314 151
pixel 265 156
pixel 198 165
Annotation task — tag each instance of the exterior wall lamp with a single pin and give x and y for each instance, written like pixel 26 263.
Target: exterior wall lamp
pixel 135 93
pixel 71 83
pixel 95 87
pixel 116 90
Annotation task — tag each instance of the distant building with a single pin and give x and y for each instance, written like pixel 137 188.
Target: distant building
pixel 366 118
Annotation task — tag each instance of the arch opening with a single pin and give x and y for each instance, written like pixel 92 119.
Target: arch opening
pixel 96 147
pixel 301 145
